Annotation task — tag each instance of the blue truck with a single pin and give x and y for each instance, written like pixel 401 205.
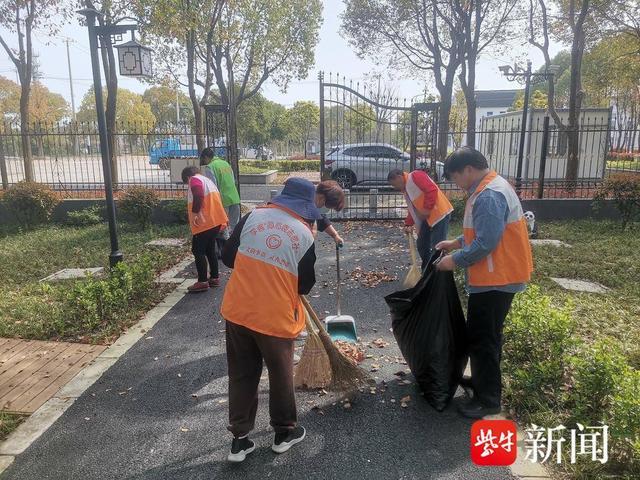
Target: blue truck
pixel 163 150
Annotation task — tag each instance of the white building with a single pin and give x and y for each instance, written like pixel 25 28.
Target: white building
pixel 499 139
pixel 493 102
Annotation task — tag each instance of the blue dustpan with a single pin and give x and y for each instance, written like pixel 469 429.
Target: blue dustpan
pixel 340 327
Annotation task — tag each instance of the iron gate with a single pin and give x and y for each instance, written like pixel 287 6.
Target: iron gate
pixel 365 132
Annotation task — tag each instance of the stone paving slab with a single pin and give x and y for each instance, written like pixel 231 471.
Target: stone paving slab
pixel 73 273
pixel 549 242
pixel 580 285
pixel 167 242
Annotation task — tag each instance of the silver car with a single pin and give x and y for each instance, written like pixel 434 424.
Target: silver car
pixel 363 164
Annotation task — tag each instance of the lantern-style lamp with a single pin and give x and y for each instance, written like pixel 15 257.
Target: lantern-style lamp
pixel 134 59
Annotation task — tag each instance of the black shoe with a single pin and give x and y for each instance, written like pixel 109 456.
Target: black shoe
pixel 284 441
pixel 465 382
pixel 240 448
pixel 474 409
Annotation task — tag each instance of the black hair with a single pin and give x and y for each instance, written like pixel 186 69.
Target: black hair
pixel 189 172
pixel 396 172
pixel 463 157
pixel 206 155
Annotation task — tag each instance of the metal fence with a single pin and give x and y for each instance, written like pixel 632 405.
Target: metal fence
pixel 358 141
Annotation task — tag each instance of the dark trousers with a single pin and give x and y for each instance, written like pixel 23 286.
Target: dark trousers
pixel 429 237
pixel 246 351
pixel 485 320
pixel 203 247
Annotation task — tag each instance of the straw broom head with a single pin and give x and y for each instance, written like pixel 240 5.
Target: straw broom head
pixel 345 373
pixel 313 369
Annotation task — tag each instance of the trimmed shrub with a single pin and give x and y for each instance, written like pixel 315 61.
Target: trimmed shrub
pixel 95 302
pixel 624 189
pixel 86 217
pixel 458 204
pixel 138 203
pixel 178 208
pixel 30 203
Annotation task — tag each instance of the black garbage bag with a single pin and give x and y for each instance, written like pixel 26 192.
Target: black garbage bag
pixel 429 326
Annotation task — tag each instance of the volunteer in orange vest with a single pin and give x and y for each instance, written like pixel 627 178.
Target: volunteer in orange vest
pixel 207 218
pixel 273 258
pixel 429 209
pixel 496 254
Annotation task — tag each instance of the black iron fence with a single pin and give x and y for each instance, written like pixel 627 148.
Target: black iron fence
pixel 361 145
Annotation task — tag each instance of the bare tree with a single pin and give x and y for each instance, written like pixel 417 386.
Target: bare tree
pixel 575 15
pixel 21 18
pixel 415 36
pixel 484 23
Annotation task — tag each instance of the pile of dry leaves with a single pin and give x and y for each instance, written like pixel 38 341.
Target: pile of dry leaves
pixel 370 278
pixel 351 351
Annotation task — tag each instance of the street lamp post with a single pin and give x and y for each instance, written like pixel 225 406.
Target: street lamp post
pixel 134 60
pixel 516 73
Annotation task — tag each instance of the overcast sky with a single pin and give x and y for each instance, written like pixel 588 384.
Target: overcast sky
pixel 333 53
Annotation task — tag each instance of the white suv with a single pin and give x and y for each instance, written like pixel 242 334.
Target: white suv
pixel 370 163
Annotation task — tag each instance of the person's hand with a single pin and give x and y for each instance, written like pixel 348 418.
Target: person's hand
pixel 447 245
pixel 198 219
pixel 339 240
pixel 408 229
pixel 446 264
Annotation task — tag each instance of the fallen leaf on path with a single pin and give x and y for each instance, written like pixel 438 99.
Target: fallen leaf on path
pixel 350 351
pixel 183 429
pixel 346 406
pixel 370 279
pixel 400 374
pixel 380 343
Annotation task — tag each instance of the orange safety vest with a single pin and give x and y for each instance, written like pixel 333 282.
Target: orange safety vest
pixel 212 208
pixel 262 293
pixel 415 202
pixel 511 261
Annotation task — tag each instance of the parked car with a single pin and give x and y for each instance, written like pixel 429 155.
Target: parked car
pixel 163 150
pixel 370 163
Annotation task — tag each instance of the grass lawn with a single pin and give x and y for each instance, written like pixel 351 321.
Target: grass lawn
pixel 26 257
pixel 601 252
pixel 8 423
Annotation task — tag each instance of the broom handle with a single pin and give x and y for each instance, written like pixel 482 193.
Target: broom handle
pixel 338 272
pixel 312 314
pixel 412 248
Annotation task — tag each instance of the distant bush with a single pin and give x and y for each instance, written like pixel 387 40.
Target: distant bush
pixel 624 189
pixel 178 208
pixel 138 203
pixel 30 203
pixel 283 165
pixel 86 217
pixel 458 204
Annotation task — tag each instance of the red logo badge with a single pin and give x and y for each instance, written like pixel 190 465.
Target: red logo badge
pixel 493 442
pixel 274 241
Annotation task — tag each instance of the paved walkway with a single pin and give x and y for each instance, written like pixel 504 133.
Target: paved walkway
pixel 160 412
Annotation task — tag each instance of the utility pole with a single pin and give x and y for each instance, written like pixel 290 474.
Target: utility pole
pixel 76 146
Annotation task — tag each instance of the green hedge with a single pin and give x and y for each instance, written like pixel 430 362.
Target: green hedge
pixel 284 165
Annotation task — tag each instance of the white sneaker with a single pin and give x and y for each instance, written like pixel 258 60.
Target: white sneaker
pixel 240 448
pixel 284 441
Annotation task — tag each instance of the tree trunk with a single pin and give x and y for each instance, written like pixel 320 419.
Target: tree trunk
pixel 470 99
pixel 25 136
pixel 443 125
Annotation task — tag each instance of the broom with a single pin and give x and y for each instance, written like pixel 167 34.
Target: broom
pixel 313 369
pixel 345 374
pixel 414 274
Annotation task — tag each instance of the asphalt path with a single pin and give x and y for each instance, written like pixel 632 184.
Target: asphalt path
pixel 161 411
